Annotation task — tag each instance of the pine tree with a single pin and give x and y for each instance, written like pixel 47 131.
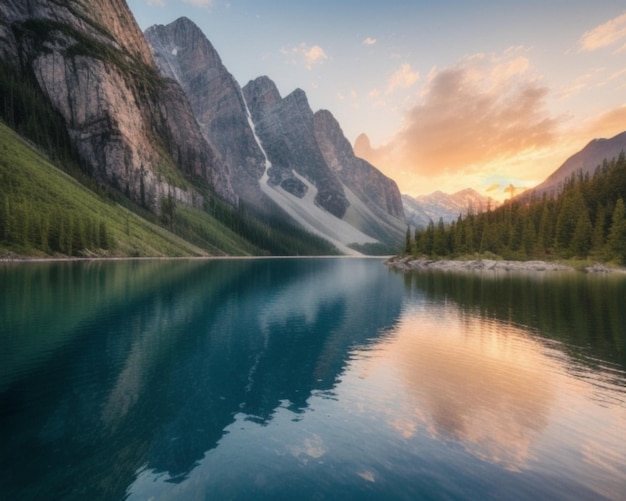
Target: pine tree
pixel 581 240
pixel 439 239
pixel 407 245
pixel 617 233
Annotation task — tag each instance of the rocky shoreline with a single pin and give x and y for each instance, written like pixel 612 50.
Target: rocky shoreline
pixel 410 263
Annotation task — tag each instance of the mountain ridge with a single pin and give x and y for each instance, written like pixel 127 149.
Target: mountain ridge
pixel 423 209
pixel 584 161
pixel 289 148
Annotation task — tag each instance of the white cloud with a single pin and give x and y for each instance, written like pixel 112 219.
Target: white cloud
pixel 403 78
pixel 369 41
pixel 200 3
pixel 160 3
pixel 606 34
pixel 310 55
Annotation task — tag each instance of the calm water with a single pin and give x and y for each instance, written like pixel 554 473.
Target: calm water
pixel 309 379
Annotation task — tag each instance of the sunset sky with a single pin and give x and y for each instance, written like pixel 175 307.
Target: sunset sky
pixel 452 94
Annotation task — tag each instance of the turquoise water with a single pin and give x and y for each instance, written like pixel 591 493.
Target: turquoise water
pixel 309 379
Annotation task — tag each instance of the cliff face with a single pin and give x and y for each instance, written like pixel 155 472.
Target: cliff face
pixel 277 148
pixel 183 54
pixel 133 129
pixel 368 183
pixel 384 217
pixel 287 130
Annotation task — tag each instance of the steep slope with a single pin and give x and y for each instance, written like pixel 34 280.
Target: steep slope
pixel 45 211
pixel 132 129
pixel 278 151
pixel 425 208
pixel 585 161
pixel 286 129
pixel 378 210
pixel 183 53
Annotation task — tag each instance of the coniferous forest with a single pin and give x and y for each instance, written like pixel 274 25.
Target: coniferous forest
pixel 587 220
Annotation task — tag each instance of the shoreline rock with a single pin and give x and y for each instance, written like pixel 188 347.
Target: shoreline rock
pixel 408 263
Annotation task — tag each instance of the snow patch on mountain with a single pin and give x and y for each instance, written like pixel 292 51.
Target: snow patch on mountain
pixel 315 219
pixel 419 211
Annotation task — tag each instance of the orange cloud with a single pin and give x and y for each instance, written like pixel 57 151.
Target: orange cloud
pixel 484 109
pixel 606 125
pixel 606 34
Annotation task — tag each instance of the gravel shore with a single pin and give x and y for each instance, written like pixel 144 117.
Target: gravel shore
pixel 409 263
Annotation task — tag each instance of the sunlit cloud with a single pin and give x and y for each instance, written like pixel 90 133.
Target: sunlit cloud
pixel 581 83
pixel 607 34
pixel 606 125
pixel 369 41
pixel 310 55
pixel 478 113
pixel 403 78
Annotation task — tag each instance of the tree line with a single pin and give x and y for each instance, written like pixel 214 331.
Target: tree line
pixel 60 230
pixel 587 220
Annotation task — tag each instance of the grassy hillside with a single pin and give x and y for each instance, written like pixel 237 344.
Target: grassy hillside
pixel 44 211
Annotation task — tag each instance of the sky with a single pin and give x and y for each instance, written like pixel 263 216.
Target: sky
pixel 451 94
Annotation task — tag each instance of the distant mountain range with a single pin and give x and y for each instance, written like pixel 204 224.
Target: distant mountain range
pixel 419 211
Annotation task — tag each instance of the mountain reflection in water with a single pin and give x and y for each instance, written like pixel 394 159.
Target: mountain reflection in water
pixel 308 378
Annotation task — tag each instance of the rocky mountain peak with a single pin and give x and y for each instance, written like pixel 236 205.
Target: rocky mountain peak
pixel 119 21
pixel 133 130
pixel 184 54
pixel 362 146
pixel 261 93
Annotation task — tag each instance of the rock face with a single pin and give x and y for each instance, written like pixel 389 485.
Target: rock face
pixel 277 149
pixel 385 215
pixel 183 54
pixel 287 130
pixel 132 128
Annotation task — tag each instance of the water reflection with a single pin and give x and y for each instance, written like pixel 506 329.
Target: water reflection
pixel 586 312
pixel 144 365
pixel 481 383
pixel 334 378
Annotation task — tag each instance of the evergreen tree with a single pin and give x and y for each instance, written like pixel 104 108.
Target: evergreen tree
pixel 407 245
pixel 439 239
pixel 617 233
pixel 581 240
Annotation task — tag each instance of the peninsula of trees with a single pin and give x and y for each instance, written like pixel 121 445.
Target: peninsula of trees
pixel 587 220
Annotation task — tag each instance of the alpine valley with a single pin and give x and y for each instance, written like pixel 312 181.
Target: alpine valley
pixel 115 142
pixel 171 155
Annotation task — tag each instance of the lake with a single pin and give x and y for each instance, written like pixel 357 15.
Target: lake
pixel 309 379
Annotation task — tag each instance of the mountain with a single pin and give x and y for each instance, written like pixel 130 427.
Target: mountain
pixel 279 152
pixel 585 161
pixel 79 82
pixel 131 128
pixel 183 54
pixel 421 210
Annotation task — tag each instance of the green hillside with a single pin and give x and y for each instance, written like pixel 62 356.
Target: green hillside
pixel 44 211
